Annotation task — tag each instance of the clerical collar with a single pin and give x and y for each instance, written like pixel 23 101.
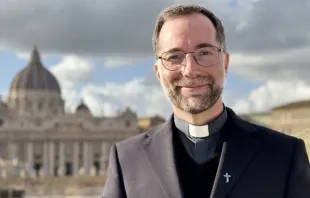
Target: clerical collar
pixel 201 131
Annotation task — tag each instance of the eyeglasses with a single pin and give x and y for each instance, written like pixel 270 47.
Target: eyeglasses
pixel 205 56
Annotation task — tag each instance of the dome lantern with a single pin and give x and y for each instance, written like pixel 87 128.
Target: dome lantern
pixel 35 59
pixel 35 77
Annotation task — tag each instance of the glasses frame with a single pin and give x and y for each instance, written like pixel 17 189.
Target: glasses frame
pixel 185 53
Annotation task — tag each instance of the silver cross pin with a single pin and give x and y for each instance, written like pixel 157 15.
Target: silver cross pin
pixel 227 176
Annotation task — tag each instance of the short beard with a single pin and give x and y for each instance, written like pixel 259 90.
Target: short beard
pixel 187 104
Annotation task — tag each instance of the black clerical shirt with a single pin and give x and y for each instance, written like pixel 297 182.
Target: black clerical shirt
pixel 201 149
pixel 197 158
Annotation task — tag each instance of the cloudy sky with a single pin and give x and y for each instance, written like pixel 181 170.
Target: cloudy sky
pixel 101 50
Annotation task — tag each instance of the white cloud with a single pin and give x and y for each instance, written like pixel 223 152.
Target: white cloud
pixel 150 100
pixel 90 27
pixel 70 72
pixel 292 64
pixel 272 94
pixel 145 95
pixel 142 95
pixel 272 42
pixel 120 61
pixel 273 25
pixel 111 97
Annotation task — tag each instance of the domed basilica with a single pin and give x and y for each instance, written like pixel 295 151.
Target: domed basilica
pixel 42 140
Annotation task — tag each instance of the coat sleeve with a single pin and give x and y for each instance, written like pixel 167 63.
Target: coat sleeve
pixel 299 177
pixel 114 186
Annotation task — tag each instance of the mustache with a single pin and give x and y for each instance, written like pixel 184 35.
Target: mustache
pixel 200 80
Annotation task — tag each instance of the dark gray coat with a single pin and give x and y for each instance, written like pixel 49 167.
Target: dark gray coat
pixel 263 164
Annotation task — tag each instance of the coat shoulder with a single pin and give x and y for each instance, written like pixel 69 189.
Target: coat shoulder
pixel 132 144
pixel 264 133
pixel 274 134
pixel 274 138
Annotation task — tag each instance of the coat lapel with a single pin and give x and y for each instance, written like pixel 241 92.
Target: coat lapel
pixel 242 145
pixel 158 149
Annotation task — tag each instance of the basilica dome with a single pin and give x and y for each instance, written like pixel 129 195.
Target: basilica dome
pixel 35 90
pixel 82 109
pixel 35 77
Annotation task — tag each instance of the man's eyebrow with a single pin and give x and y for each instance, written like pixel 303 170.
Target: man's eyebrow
pixel 175 49
pixel 201 45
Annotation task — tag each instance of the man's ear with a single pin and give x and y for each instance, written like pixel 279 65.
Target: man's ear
pixel 156 67
pixel 227 56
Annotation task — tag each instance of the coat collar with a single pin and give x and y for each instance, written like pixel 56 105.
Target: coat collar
pixel 240 123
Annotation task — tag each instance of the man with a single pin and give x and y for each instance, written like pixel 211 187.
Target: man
pixel 204 149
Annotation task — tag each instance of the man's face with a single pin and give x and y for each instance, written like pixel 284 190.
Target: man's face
pixel 192 88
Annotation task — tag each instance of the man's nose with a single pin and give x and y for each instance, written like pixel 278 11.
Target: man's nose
pixel 191 67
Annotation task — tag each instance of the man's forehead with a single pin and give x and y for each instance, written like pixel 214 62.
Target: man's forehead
pixel 195 47
pixel 186 23
pixel 186 32
pixel 186 43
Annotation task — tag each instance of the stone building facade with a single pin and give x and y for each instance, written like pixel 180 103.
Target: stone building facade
pixel 39 139
pixel 292 119
pixel 150 122
pixel 262 118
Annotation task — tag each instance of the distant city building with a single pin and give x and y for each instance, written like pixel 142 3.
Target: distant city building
pixel 39 139
pixel 149 122
pixel 292 119
pixel 263 118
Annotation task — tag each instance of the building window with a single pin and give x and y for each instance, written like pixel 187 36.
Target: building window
pixel 40 104
pixel 56 125
pixel 37 157
pixel 286 130
pixel 55 110
pixel 97 167
pixel 97 156
pixel 51 104
pixel 38 122
pixel 80 125
pixel 28 104
pixel 127 123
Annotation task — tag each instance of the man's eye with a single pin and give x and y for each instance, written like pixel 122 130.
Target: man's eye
pixel 204 53
pixel 175 57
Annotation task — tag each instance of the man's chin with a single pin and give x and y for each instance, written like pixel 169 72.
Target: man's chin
pixel 194 110
pixel 195 101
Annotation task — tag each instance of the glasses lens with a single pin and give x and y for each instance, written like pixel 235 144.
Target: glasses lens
pixel 207 56
pixel 173 60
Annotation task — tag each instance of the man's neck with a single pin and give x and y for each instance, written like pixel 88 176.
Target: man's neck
pixel 203 117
